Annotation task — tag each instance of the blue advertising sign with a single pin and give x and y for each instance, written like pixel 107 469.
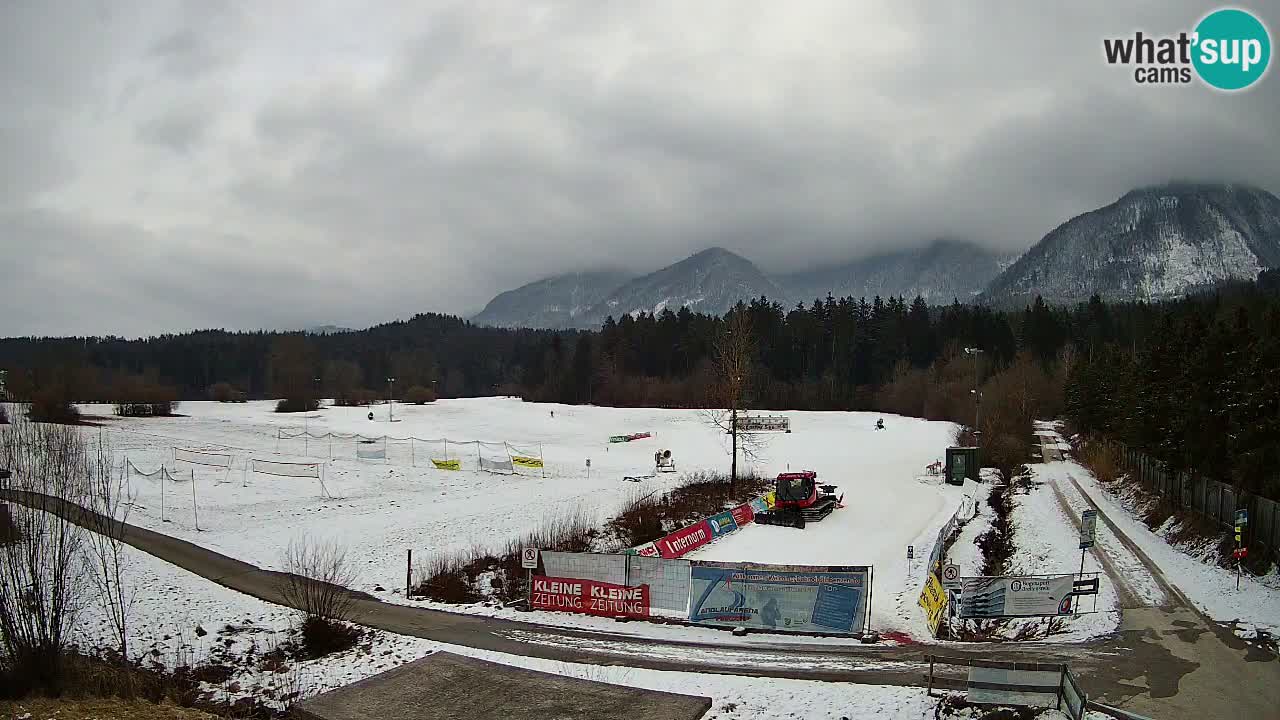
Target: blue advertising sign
pixel 759 505
pixel 722 524
pixel 780 598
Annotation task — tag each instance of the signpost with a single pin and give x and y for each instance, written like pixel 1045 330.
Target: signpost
pixel 911 553
pixel 1088 535
pixel 528 561
pixel 1242 519
pixel 588 468
pixel 951 577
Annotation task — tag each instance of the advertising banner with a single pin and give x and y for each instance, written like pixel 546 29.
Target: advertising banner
pixel 722 524
pixel 646 550
pixel 758 505
pixel 933 598
pixel 589 597
pixel 684 540
pixel 991 597
pixel 743 514
pixel 525 461
pixel 446 464
pixel 780 598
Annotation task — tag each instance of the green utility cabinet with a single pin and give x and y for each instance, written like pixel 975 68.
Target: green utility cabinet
pixel 962 462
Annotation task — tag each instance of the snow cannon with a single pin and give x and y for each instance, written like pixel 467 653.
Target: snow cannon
pixel 799 499
pixel 664 461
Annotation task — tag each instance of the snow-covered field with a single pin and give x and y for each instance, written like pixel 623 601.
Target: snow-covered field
pixel 381 510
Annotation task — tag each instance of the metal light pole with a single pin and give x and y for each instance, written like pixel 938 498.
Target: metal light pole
pixel 977 396
pixel 391 400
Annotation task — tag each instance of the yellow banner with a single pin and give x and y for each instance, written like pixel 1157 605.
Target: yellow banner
pixel 933 598
pixel 768 499
pixel 529 462
pixel 447 464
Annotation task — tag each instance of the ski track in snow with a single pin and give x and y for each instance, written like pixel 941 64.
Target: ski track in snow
pixel 1211 588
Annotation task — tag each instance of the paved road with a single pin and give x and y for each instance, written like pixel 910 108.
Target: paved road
pixel 1181 664
pixel 1142 667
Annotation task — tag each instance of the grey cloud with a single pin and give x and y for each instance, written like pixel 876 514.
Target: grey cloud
pixel 366 166
pixel 178 129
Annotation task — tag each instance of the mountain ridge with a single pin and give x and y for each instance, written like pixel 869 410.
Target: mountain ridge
pixel 1153 243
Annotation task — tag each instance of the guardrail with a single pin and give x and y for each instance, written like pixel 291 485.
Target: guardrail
pixel 1030 684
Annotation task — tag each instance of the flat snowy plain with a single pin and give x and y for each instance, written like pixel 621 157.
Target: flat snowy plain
pixel 382 509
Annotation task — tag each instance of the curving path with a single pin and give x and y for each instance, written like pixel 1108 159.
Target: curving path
pixel 1134 667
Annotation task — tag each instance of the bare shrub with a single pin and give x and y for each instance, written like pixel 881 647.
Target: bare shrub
pixel 1102 458
pixel 317 577
pixel 225 392
pixel 473 574
pixel 52 404
pixel 445 578
pixel 419 395
pixel 43 585
pixel 699 495
pixel 107 496
pixel 292 405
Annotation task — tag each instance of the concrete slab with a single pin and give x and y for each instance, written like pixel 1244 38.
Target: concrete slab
pixel 444 686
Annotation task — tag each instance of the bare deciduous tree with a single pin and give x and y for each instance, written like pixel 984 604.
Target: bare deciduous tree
pixel 727 394
pixel 42 576
pixel 105 548
pixel 317 579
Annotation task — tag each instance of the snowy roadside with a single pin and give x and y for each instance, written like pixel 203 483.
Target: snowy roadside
pixel 172 603
pixel 1045 542
pixel 1211 588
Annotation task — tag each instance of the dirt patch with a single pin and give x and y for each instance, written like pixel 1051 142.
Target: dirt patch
pixel 98 709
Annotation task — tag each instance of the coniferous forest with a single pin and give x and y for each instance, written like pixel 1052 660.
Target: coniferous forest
pixel 1195 383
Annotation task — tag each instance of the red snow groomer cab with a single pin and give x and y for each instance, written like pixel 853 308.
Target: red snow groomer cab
pixel 799 499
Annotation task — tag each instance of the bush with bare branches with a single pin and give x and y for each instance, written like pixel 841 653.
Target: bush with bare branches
pixel 43 579
pixel 317 579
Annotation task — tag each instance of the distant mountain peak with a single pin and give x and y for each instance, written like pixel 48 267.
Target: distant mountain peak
pixel 709 281
pixel 554 302
pixel 939 271
pixel 1154 243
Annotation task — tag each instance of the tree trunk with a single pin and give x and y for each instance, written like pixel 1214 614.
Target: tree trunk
pixel 733 428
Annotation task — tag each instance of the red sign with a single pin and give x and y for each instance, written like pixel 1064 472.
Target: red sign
pixel 1240 553
pixel 685 540
pixel 589 597
pixel 743 514
pixel 647 550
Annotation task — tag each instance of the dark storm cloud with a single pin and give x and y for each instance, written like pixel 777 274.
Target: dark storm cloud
pixel 206 164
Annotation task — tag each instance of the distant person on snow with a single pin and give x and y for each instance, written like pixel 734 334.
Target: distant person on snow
pixel 880 424
pixel 553 413
pixel 370 415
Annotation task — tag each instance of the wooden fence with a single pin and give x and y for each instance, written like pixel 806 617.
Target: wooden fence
pixel 1210 498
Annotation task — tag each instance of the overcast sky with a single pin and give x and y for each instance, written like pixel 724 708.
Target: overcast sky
pixel 167 166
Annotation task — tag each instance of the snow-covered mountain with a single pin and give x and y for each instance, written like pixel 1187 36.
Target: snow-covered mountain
pixel 940 272
pixel 1154 243
pixel 555 302
pixel 711 281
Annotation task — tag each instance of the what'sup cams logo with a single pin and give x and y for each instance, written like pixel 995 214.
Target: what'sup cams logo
pixel 1228 50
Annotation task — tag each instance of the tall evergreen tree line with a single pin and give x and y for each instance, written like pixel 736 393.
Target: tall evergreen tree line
pixel 1194 383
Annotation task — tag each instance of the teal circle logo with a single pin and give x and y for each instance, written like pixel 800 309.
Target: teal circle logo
pixel 1232 49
